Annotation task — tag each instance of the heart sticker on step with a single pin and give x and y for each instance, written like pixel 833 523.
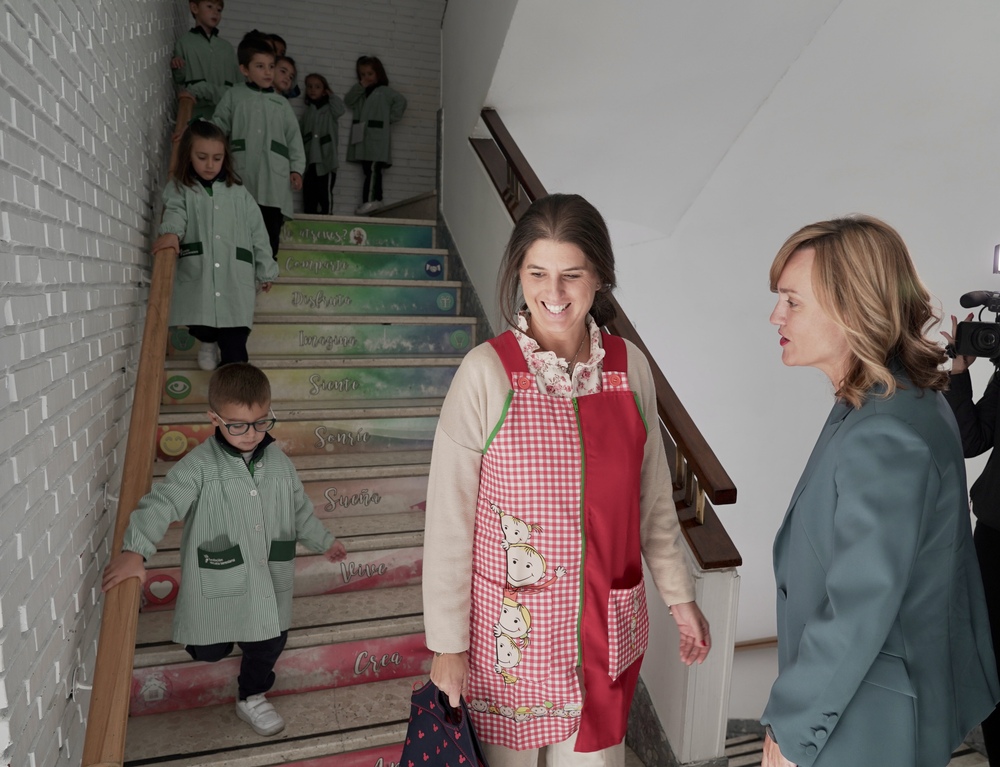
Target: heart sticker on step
pixel 161 589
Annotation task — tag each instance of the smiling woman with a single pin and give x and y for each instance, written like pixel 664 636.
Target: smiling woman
pixel 547 487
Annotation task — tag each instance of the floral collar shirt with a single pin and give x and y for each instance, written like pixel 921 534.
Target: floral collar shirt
pixel 552 373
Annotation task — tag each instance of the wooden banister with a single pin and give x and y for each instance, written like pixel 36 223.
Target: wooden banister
pixel 104 742
pixel 699 477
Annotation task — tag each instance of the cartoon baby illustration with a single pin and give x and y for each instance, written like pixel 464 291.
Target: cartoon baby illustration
pixel 526 570
pixel 514 530
pixel 515 622
pixel 508 656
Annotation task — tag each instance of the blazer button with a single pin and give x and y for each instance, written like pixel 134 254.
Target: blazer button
pixel 811 750
pixel 831 718
pixel 615 379
pixel 820 733
pixel 524 382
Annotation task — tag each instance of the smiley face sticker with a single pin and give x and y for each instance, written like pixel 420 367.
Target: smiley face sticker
pixel 173 443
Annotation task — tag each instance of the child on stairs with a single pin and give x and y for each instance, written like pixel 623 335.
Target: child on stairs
pixel 320 135
pixel 222 246
pixel 375 106
pixel 243 509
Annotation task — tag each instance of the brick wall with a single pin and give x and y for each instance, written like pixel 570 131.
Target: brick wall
pixel 328 37
pixel 84 94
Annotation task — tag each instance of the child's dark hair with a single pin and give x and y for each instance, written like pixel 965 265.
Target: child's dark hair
pixel 289 59
pixel 238 383
pixel 375 64
pixel 184 173
pixel 222 4
pixel 253 43
pixel 327 90
pixel 273 38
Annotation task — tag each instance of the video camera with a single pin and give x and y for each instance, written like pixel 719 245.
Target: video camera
pixel 980 339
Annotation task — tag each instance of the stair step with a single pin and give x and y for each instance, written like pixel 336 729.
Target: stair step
pixel 161 688
pixel 351 230
pixel 366 496
pixel 375 561
pixel 318 724
pixel 315 436
pixel 331 380
pixel 419 206
pixel 328 617
pixel 373 300
pixel 284 410
pixel 298 339
pixel 363 263
pixel 393 463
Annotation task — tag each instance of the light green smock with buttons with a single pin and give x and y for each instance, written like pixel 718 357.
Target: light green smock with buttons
pixel 377 111
pixel 320 135
pixel 210 69
pixel 238 544
pixel 225 251
pixel 265 142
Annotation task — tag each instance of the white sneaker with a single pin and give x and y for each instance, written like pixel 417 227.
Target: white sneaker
pixel 368 207
pixel 209 356
pixel 258 712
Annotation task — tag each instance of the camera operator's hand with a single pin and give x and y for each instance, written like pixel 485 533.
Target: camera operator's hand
pixel 962 361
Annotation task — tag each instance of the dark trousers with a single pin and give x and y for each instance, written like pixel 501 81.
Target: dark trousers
pixel 257 666
pixel 317 191
pixel 987 541
pixel 372 189
pixel 273 221
pixel 232 341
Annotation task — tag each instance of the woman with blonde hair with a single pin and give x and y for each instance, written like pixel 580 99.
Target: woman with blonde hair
pixel 884 651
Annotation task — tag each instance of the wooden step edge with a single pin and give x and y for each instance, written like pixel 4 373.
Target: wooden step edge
pixel 365 219
pixel 333 363
pixel 314 636
pixel 373 249
pixel 365 319
pixel 374 472
pixel 287 415
pixel 344 465
pixel 368 283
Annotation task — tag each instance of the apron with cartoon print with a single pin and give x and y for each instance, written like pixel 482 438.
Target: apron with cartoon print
pixel 557 571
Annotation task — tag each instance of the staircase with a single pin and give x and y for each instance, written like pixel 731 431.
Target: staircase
pixel 360 337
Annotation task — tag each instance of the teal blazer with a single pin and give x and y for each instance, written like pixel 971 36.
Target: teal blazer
pixel 884 650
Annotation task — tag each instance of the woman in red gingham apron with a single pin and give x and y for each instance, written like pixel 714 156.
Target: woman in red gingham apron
pixel 546 489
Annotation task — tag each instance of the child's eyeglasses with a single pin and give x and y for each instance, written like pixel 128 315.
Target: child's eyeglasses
pixel 239 429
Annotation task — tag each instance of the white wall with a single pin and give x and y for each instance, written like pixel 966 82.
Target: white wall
pixel 84 88
pixel 709 132
pixel 327 38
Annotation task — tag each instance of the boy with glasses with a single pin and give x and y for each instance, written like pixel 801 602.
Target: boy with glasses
pixel 243 509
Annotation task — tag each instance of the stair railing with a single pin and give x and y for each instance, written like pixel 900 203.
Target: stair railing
pixel 107 718
pixel 699 477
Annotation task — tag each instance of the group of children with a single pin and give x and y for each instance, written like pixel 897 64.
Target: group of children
pixel 241 502
pixel 215 211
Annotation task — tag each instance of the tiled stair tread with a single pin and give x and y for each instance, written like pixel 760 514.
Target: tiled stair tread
pixel 375 249
pixel 369 283
pixel 317 723
pixel 365 219
pixel 336 362
pixel 389 608
pixel 366 319
pixel 342 527
pixel 340 466
pixel 317 410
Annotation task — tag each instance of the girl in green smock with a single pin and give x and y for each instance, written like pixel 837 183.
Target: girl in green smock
pixel 319 137
pixel 375 106
pixel 222 247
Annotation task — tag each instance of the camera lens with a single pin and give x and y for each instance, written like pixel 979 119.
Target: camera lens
pixel 986 340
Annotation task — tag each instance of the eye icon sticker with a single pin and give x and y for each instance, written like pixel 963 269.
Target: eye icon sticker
pixel 177 387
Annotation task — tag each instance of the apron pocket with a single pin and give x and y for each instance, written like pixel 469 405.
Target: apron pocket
pixel 281 563
pixel 628 628
pixel 222 573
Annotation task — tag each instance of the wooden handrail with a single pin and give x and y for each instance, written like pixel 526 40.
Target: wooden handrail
pixel 104 742
pixel 699 476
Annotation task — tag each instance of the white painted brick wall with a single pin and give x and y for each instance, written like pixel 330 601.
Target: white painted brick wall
pixel 85 97
pixel 328 37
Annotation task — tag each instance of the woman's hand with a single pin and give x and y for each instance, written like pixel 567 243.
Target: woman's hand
pixel 695 639
pixel 772 755
pixel 450 672
pixel 962 361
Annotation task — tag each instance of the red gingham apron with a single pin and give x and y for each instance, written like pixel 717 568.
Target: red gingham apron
pixel 557 571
